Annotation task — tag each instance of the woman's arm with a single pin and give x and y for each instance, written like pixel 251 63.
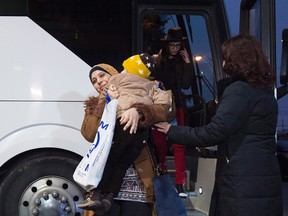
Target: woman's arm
pixel 151 114
pixel 188 74
pixel 231 115
pixel 145 116
pixel 93 112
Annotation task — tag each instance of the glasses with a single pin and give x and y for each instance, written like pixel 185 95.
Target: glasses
pixel 175 45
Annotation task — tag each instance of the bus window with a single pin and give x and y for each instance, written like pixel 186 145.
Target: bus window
pixel 254 20
pixel 92 30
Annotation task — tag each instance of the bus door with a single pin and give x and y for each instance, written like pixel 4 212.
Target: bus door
pixel 205 26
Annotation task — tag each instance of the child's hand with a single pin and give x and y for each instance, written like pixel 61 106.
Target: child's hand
pixel 130 118
pixel 113 92
pixel 159 84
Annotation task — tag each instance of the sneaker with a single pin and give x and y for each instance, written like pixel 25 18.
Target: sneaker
pixel 181 190
pixel 92 202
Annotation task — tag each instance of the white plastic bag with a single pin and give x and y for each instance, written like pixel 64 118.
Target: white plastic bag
pixel 90 169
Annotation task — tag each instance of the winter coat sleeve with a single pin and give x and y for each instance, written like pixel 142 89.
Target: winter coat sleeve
pixel 163 109
pixel 94 108
pixel 188 75
pixel 152 114
pixel 231 114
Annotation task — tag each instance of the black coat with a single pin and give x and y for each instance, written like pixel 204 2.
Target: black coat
pixel 247 181
pixel 176 75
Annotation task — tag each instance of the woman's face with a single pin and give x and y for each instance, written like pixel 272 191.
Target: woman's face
pixel 100 80
pixel 174 48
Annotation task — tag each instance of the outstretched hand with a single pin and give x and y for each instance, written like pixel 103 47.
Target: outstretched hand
pixel 130 117
pixel 163 127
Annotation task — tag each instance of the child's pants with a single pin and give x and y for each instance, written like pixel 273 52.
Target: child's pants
pixel 125 149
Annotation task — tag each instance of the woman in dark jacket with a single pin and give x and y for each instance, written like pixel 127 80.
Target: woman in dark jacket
pixel 248 181
pixel 175 70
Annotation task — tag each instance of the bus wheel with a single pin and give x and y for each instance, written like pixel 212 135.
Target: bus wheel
pixel 41 184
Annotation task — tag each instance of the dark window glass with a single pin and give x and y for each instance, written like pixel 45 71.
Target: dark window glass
pixel 96 31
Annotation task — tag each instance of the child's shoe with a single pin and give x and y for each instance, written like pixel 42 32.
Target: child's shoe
pixel 92 202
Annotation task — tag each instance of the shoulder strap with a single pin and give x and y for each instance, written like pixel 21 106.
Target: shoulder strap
pixel 152 151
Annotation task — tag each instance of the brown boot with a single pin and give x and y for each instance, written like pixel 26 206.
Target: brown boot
pixel 107 201
pixel 92 202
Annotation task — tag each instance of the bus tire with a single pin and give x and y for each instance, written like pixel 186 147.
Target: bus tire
pixel 41 184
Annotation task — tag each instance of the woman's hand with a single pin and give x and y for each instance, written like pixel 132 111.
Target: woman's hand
pixel 163 127
pixel 184 54
pixel 130 117
pixel 113 92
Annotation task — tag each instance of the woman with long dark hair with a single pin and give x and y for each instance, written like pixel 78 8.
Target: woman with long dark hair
pixel 248 180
